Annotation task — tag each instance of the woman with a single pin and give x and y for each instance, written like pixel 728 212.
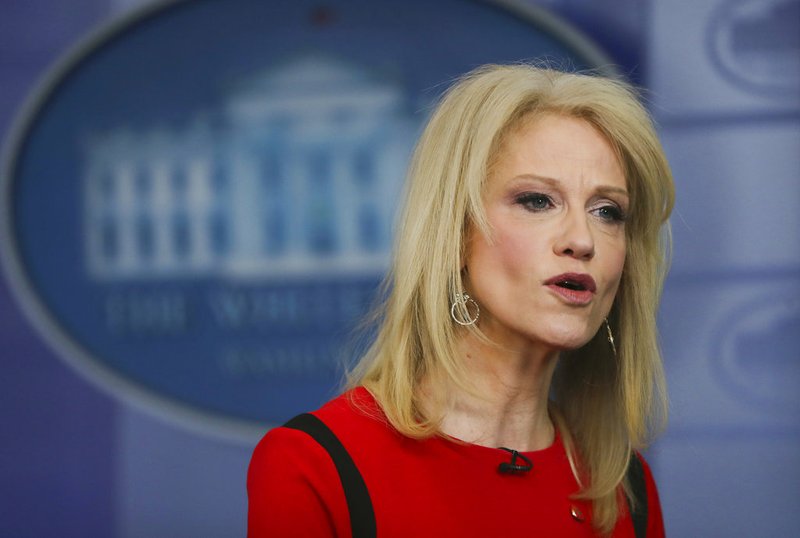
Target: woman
pixel 520 313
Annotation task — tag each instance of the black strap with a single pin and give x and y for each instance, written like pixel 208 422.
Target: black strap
pixel 362 517
pixel 639 492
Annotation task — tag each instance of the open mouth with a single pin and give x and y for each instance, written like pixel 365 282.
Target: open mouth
pixel 571 285
pixel 579 282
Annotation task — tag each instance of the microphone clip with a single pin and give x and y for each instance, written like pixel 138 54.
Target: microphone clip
pixel 513 467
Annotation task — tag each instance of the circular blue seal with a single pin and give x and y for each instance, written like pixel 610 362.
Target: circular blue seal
pixel 756 353
pixel 198 201
pixel 755 44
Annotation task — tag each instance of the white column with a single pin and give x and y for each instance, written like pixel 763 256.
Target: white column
pixel 199 210
pixel 297 177
pixel 128 255
pixel 369 195
pixel 247 233
pixel 162 204
pixel 270 202
pixel 344 194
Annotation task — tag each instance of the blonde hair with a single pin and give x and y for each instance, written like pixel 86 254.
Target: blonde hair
pixel 607 405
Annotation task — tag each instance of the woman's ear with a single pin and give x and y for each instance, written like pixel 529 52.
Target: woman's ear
pixel 464 257
pixel 465 283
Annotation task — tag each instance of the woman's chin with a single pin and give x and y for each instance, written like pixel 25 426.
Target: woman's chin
pixel 558 335
pixel 568 340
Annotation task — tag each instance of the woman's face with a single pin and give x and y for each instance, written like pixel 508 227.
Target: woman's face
pixel 556 200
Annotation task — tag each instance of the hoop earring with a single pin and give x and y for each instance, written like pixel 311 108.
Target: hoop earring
pixel 610 337
pixel 462 316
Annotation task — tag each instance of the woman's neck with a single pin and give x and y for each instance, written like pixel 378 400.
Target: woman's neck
pixel 509 405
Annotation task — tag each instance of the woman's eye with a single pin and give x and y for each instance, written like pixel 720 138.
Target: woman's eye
pixel 610 213
pixel 535 201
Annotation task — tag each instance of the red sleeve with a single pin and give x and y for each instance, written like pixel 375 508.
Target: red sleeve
pixel 293 489
pixel 655 520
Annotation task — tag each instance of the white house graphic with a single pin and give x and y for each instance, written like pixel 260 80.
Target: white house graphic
pixel 299 175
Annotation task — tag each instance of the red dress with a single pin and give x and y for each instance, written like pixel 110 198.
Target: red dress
pixel 432 487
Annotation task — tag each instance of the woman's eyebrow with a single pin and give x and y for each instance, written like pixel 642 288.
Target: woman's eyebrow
pixel 609 189
pixel 555 183
pixel 549 180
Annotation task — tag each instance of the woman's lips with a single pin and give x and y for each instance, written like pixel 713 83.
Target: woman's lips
pixel 573 288
pixel 576 297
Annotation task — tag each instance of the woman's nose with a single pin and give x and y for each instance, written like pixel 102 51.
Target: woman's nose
pixel 576 238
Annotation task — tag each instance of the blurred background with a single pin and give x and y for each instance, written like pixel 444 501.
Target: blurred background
pixel 197 206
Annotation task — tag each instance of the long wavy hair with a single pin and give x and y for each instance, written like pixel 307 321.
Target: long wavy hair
pixel 605 405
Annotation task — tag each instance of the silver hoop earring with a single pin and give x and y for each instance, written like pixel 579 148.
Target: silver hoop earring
pixel 459 310
pixel 610 337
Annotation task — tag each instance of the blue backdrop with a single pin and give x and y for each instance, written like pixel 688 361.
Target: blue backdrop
pixel 167 355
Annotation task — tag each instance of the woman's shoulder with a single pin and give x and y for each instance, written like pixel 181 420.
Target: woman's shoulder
pixel 355 412
pixel 292 483
pixel 356 405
